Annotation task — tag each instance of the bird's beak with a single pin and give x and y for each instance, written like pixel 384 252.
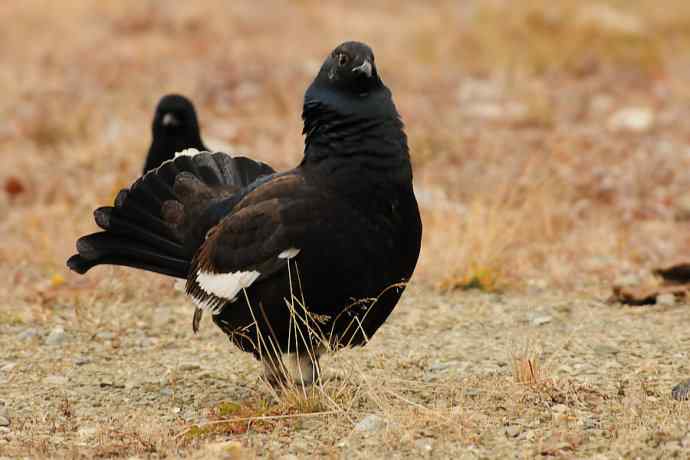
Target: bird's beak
pixel 170 120
pixel 366 68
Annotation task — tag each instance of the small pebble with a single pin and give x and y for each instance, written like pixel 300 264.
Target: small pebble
pixel 627 280
pixel 667 300
pixel 513 431
pixel 370 423
pixel 4 421
pixel 541 320
pixel 6 367
pixel 439 366
pixel 472 392
pixel 559 408
pixel 82 360
pixel 605 350
pixel 110 384
pixel 632 119
pixel 87 431
pixel 590 423
pixel 56 336
pixel 189 367
pixel 105 335
pixel 685 442
pixel 424 444
pixel 27 334
pixel 55 380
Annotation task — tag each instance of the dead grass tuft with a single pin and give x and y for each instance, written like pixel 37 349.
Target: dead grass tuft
pixel 484 240
pixel 527 370
pixel 481 278
pixel 563 392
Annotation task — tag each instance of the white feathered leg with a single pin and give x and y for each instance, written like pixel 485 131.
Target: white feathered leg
pixel 295 368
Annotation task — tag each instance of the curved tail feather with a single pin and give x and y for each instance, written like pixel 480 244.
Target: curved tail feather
pixel 156 224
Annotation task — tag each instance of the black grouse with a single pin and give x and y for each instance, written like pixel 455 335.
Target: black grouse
pixel 295 262
pixel 174 128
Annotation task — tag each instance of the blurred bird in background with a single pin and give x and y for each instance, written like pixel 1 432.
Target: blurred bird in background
pixel 175 127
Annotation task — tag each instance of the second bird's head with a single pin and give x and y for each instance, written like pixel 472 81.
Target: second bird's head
pixel 175 117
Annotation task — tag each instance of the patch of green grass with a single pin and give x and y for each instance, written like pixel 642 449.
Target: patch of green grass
pixel 227 408
pixel 198 432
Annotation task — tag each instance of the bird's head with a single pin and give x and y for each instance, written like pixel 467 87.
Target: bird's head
pixel 350 68
pixel 349 112
pixel 175 116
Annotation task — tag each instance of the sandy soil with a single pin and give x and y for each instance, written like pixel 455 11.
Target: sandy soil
pixel 440 380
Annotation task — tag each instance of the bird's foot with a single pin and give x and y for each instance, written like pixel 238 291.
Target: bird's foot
pixel 681 392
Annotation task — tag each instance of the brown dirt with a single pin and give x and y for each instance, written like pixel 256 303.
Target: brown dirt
pixel 441 377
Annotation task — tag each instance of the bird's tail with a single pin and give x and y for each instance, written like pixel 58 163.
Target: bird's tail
pixel 158 223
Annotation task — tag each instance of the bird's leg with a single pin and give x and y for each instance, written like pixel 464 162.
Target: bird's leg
pixel 272 372
pixel 301 368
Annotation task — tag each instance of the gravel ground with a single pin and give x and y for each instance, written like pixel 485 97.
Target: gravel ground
pixel 440 380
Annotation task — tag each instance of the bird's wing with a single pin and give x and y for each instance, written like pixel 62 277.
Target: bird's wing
pixel 255 241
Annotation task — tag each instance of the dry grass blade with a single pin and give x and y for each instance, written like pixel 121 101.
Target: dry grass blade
pixel 526 370
pixel 527 367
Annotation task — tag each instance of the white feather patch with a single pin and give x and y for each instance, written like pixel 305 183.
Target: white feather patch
pixel 289 253
pixel 208 305
pixel 187 152
pixel 226 285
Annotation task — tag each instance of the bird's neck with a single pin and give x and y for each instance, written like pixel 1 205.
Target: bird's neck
pixel 348 144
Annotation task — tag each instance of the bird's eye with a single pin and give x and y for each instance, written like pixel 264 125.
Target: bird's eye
pixel 342 59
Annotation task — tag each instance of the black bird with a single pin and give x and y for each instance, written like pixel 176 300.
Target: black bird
pixel 318 255
pixel 174 128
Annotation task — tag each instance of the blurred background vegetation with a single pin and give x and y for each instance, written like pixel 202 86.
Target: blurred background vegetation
pixel 550 140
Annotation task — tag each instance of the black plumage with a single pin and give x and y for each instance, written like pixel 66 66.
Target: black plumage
pixel 320 253
pixel 174 128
